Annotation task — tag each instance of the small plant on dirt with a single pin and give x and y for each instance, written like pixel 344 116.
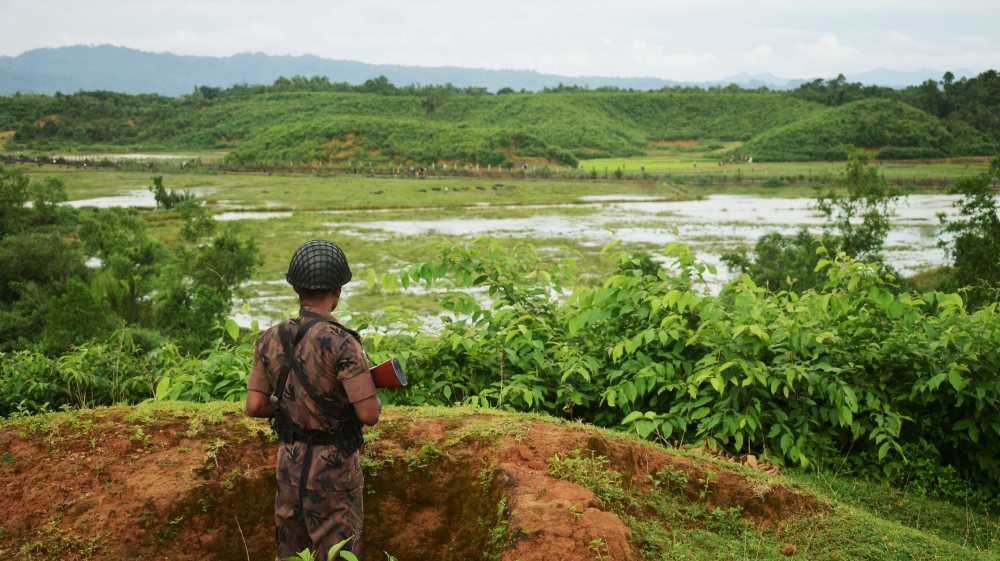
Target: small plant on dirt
pixel 498 535
pixel 7 459
pixel 669 479
pixel 50 542
pixel 596 545
pixel 576 513
pixel 706 481
pixel 230 482
pixel 212 450
pixel 140 436
pixel 422 460
pixel 335 553
pixel 592 473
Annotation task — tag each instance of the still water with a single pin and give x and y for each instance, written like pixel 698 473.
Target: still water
pixel 712 226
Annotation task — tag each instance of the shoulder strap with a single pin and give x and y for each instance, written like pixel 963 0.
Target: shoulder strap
pixel 291 363
pixel 288 349
pixel 353 333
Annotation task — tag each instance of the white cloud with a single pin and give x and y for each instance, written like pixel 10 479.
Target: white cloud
pixel 672 39
pixel 651 56
pixel 825 48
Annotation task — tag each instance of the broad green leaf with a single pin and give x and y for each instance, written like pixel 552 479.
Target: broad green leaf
pixel 700 413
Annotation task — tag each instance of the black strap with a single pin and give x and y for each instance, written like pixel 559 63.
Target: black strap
pixel 288 349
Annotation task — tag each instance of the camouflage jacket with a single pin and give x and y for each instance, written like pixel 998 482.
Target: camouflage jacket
pixel 332 358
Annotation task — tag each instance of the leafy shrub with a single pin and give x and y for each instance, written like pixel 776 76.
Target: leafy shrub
pixel 808 377
pixel 974 240
pixel 772 182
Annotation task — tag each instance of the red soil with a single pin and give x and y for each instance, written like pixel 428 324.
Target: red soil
pixel 198 490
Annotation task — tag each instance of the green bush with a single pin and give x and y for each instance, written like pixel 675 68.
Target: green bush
pixel 851 373
pixel 772 182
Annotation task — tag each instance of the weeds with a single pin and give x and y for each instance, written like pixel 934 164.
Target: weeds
pixel 51 542
pixel 591 472
pixel 597 545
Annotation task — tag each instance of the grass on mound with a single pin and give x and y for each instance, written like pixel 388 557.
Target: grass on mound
pixel 863 520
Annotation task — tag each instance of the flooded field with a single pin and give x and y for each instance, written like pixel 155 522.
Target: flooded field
pixel 715 225
pixel 581 219
pixel 712 226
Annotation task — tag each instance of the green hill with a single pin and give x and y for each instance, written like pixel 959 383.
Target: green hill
pixel 497 129
pixel 312 120
pixel 896 129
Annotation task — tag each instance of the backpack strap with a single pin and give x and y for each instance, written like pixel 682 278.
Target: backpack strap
pixel 288 348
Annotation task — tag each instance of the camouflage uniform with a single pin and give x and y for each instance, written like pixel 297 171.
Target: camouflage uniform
pixel 334 363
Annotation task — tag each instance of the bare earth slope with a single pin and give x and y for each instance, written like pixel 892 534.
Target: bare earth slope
pixel 184 482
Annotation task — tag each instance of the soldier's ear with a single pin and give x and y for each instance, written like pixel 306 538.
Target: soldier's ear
pixel 336 292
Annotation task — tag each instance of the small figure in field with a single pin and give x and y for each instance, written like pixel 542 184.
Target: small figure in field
pixel 642 168
pixel 310 377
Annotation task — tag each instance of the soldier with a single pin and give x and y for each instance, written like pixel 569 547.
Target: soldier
pixel 310 378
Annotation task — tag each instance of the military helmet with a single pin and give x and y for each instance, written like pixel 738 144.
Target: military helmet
pixel 318 265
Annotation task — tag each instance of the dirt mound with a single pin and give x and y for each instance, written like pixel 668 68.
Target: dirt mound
pixel 185 482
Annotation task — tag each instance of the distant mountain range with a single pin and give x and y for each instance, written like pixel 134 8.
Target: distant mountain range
pixel 120 69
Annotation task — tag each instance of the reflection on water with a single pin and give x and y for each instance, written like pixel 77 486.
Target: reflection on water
pixel 135 198
pixel 225 216
pixel 140 198
pixel 712 226
pixel 600 198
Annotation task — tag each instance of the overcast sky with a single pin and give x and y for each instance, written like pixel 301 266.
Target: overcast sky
pixel 670 39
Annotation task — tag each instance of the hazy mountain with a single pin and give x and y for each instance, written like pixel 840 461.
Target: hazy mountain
pixel 105 67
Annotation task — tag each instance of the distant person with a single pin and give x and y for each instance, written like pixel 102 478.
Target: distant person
pixel 310 377
pixel 750 159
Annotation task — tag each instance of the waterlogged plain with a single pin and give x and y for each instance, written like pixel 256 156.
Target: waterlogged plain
pixel 386 240
pixel 388 230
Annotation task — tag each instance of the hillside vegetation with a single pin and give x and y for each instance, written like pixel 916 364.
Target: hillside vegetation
pixel 898 130
pixel 313 120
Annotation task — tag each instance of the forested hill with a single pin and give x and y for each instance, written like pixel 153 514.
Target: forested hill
pixel 314 120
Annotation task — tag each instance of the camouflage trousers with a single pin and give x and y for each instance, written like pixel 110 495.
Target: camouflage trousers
pixel 330 517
